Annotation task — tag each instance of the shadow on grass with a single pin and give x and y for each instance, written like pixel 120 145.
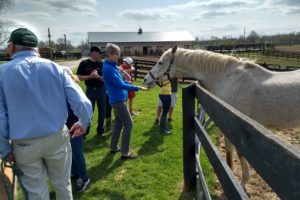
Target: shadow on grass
pixel 101 171
pixel 93 142
pixel 151 146
pixel 187 195
pixel 108 194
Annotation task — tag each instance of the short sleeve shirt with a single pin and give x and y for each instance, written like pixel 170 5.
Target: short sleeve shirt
pixel 86 67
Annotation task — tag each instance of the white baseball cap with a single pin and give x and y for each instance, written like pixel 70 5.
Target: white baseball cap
pixel 128 60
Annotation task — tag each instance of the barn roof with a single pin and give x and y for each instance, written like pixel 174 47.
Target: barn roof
pixel 174 36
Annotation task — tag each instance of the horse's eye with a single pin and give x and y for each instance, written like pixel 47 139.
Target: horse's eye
pixel 160 63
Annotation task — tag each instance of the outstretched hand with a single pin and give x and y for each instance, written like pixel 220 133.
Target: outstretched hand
pixel 76 130
pixel 143 88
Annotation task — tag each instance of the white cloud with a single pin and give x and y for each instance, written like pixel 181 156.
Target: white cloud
pixel 148 14
pixel 288 2
pixel 86 7
pixel 293 11
pixel 214 14
pixel 38 15
pixel 212 8
pixel 228 27
pixel 12 24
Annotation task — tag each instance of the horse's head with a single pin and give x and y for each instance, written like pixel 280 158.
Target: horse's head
pixel 163 70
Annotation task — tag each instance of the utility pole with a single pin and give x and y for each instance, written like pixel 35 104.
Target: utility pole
pixel 66 46
pixel 244 34
pixel 49 36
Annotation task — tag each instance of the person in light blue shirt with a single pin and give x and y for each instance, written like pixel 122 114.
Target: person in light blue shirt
pixel 33 110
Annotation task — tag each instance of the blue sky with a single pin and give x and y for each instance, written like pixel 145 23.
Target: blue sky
pixel 203 18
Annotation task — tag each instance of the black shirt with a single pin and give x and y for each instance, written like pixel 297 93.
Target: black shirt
pixel 86 67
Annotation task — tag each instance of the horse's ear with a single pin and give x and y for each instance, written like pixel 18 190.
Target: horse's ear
pixel 174 49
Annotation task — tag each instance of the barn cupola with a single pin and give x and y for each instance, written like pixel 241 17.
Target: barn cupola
pixel 140 31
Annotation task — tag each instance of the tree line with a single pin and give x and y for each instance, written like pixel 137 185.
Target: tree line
pixel 253 37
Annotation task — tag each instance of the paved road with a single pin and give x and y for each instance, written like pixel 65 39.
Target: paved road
pixel 72 64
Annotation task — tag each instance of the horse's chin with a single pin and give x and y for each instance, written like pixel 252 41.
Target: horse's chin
pixel 151 85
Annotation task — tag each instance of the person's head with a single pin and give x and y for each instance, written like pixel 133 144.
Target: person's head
pixel 22 39
pixel 95 53
pixel 128 61
pixel 112 52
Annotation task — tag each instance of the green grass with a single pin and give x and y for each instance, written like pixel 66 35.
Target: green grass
pixel 156 174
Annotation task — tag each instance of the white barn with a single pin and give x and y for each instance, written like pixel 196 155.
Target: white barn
pixel 142 43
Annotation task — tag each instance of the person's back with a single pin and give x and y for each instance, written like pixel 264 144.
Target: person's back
pixel 33 109
pixel 33 83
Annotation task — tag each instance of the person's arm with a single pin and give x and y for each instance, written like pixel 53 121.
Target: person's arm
pixel 118 83
pixel 81 75
pixel 84 78
pixel 5 147
pixel 78 101
pixel 80 72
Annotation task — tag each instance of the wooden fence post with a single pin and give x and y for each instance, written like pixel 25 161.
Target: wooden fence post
pixel 189 160
pixel 135 70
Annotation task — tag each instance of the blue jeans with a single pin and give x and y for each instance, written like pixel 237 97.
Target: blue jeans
pixel 166 102
pixel 97 95
pixel 78 160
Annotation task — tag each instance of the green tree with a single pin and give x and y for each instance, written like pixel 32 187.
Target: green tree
pixel 253 37
pixel 61 46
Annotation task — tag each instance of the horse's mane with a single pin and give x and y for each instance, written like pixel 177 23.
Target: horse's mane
pixel 208 61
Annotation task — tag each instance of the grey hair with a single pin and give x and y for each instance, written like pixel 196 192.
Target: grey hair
pixel 24 48
pixel 112 49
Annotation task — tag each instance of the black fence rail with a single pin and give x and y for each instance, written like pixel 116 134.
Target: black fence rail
pixel 277 162
pixel 249 47
pixel 142 67
pixel 59 55
pixel 4 57
pixel 283 54
pixel 279 68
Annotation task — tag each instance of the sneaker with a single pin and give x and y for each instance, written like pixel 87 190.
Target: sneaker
pixel 156 121
pixel 165 131
pixel 129 156
pixel 82 184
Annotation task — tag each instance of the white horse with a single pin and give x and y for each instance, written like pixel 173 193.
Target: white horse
pixel 270 98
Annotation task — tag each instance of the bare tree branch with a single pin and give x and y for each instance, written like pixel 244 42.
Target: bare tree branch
pixel 4 5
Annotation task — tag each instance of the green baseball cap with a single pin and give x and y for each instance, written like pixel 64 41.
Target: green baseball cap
pixel 24 37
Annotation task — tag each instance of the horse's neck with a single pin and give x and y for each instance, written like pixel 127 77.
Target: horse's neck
pixel 194 65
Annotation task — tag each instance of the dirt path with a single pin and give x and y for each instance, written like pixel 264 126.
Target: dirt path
pixel 257 188
pixel 72 64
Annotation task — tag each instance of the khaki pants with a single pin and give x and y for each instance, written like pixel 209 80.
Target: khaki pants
pixel 39 157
